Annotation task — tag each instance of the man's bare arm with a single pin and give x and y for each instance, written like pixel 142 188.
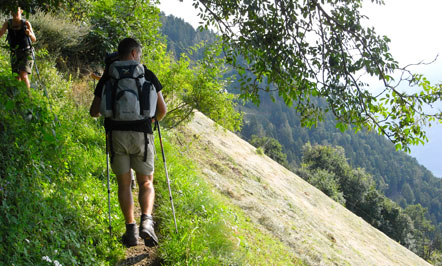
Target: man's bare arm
pixel 94 111
pixel 161 107
pixel 30 32
pixel 3 29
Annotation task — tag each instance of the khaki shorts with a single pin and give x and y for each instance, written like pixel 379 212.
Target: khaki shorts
pixel 22 61
pixel 128 147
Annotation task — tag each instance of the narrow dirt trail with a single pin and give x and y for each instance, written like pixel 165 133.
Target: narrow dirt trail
pixel 140 255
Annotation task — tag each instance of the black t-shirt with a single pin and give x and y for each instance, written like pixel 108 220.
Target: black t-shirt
pixel 149 75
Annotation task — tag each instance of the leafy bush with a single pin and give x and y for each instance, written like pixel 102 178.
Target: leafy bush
pixel 113 21
pixel 324 181
pixel 199 85
pixel 62 37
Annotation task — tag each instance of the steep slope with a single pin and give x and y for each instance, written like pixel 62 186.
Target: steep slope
pixel 392 170
pixel 318 230
pixel 366 150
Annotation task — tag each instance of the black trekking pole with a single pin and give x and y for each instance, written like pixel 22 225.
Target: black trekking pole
pixel 108 185
pixel 167 175
pixel 39 79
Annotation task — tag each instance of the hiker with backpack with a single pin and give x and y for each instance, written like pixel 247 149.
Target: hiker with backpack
pixel 20 35
pixel 129 96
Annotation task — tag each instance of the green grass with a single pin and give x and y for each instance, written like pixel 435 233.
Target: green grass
pixel 211 230
pixel 53 197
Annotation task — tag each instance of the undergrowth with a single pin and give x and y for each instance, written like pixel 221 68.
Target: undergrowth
pixel 53 197
pixel 202 237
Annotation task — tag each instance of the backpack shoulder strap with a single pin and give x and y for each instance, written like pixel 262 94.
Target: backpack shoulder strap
pixel 138 83
pixel 8 37
pixel 23 24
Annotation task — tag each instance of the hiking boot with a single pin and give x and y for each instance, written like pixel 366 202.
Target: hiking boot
pixel 147 231
pixel 130 238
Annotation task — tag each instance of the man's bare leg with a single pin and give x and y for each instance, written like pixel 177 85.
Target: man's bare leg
pixel 125 197
pixel 23 76
pixel 146 195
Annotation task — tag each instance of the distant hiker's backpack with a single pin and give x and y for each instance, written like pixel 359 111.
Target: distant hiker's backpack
pixel 127 96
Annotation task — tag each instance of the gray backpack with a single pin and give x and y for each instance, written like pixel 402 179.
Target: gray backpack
pixel 127 95
pixel 128 101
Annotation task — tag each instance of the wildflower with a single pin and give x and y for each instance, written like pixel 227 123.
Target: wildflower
pixel 46 258
pixel 56 263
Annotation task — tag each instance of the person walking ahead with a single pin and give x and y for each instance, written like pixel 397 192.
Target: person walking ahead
pixel 131 148
pixel 20 34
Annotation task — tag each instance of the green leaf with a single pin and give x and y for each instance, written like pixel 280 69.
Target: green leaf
pixel 9 105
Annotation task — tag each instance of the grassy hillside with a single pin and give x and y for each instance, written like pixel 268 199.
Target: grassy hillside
pixel 52 185
pixel 317 229
pixel 53 195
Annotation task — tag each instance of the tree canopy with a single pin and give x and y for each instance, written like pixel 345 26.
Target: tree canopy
pixel 320 48
pixel 315 48
pixel 30 5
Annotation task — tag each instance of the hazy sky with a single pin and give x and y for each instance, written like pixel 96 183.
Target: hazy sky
pixel 414 28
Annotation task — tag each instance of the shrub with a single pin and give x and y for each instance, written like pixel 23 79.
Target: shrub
pixel 114 20
pixel 324 181
pixel 199 85
pixel 62 38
